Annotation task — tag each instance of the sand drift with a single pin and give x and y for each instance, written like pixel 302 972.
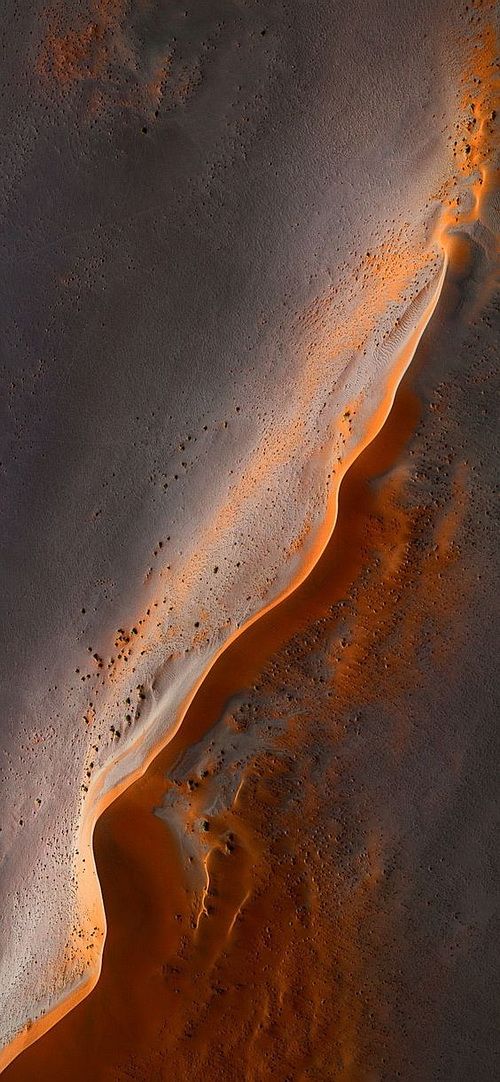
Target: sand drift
pixel 221 265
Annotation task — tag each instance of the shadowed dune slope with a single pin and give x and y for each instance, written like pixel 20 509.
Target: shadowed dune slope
pixel 315 896
pixel 223 231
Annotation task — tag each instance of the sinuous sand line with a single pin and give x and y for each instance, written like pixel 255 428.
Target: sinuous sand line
pixel 153 986
pixel 296 222
pixel 88 877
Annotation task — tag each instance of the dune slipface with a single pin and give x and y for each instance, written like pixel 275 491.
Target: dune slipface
pixel 321 902
pixel 225 231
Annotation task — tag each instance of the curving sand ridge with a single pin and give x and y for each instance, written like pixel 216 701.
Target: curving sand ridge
pixel 91 902
pixel 192 766
pixel 260 489
pixel 362 415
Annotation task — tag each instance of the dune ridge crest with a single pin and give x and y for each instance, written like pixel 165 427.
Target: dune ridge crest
pixel 381 329
pixel 88 878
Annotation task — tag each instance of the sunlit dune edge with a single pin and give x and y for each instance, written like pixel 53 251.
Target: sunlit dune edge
pixel 89 892
pixel 88 881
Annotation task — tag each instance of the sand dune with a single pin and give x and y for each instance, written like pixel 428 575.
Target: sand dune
pixel 223 264
pixel 318 795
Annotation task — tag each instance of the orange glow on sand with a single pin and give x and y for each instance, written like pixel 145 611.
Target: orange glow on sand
pixel 128 826
pixel 86 873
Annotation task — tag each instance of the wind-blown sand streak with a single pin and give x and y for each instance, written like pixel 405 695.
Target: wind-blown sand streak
pixel 89 878
pixel 84 947
pixel 451 249
pixel 133 1024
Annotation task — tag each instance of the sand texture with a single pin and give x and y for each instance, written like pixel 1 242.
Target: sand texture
pixel 239 241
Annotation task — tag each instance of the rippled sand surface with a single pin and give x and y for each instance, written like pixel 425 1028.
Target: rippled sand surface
pixel 228 244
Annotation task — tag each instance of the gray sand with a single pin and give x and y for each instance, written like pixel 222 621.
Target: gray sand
pixel 212 220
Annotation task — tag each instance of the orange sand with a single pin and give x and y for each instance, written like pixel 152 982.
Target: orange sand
pixel 453 251
pixel 138 864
